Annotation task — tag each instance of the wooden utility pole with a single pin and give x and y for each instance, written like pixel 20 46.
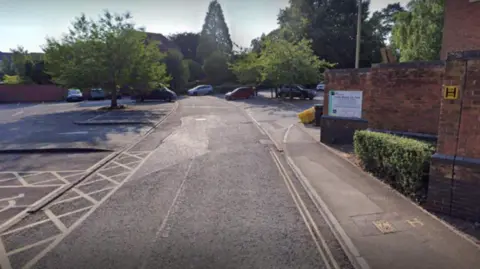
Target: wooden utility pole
pixel 359 36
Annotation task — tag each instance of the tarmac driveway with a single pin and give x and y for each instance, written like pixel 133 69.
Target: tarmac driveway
pixel 29 176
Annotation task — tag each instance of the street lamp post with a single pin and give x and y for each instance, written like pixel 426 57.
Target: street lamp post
pixel 359 30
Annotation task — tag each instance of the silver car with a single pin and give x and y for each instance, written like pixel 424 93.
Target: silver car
pixel 201 90
pixel 74 95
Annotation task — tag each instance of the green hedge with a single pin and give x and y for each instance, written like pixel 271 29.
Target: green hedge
pixel 403 162
pixel 226 87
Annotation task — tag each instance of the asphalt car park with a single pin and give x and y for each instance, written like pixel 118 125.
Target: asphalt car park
pixel 29 173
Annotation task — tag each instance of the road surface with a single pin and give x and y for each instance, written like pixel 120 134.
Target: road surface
pixel 205 190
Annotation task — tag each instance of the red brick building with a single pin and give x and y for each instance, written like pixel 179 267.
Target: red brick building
pixel 462 26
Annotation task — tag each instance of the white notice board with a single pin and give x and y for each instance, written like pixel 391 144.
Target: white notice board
pixel 345 104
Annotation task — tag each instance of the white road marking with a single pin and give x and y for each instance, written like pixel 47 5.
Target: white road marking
pixel 66 200
pixel 107 178
pixel 91 182
pixel 25 227
pixel 4 261
pixel 165 219
pixel 309 222
pixel 75 133
pixel 31 245
pixel 200 119
pixel 55 220
pixel 11 204
pixel 81 193
pixel 74 211
pixel 21 195
pixel 60 178
pixel 101 190
pixel 122 165
pixel 18 113
pixel 21 179
pixel 286 134
pixel 131 155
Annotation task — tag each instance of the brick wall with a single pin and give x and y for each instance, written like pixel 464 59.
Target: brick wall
pixel 31 93
pixel 396 97
pixel 454 186
pixel 461 26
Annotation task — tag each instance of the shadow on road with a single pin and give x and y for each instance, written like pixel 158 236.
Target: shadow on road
pixel 59 130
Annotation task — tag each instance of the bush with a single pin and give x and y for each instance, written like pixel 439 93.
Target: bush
pixel 11 80
pixel 403 162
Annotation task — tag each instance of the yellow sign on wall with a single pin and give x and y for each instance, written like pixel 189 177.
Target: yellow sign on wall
pixel 451 92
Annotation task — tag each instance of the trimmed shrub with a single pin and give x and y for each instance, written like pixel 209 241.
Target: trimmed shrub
pixel 12 80
pixel 402 162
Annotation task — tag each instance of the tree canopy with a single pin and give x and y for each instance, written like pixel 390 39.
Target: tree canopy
pixel 109 52
pixel 417 32
pixel 187 42
pixel 215 35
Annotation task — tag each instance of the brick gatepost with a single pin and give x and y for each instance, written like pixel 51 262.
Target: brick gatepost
pixel 454 184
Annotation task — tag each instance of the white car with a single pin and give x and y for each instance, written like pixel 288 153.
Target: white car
pixel 201 90
pixel 320 87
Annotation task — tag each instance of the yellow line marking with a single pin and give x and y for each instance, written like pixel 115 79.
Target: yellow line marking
pixel 55 220
pixel 415 222
pixel 18 250
pixel 384 226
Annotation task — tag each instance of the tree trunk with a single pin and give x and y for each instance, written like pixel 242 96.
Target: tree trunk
pixel 290 92
pixel 114 104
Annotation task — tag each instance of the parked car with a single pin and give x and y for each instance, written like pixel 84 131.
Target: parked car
pixel 74 95
pixel 297 91
pixel 97 94
pixel 320 87
pixel 201 90
pixel 163 93
pixel 240 93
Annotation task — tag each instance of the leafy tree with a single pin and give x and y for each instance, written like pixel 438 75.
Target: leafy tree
pixel 187 42
pixel 195 70
pixel 331 25
pixel 7 66
pixel 417 32
pixel 216 68
pixel 177 68
pixel 109 53
pixel 215 35
pixel 384 20
pixel 247 68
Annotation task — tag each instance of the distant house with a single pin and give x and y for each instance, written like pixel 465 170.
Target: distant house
pixel 165 43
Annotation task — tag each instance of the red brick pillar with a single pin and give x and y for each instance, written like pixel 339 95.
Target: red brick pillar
pixel 454 184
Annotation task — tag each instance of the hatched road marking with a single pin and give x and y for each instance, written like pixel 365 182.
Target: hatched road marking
pixel 67 212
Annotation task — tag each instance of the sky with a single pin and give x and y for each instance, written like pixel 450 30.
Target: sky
pixel 29 22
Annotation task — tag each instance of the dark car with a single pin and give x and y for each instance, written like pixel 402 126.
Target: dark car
pixel 240 93
pixel 296 91
pixel 158 94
